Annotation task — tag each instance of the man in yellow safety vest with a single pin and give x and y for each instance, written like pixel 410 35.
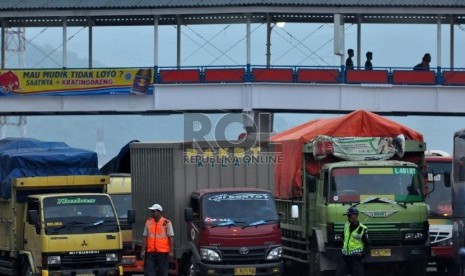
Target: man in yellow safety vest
pixel 355 244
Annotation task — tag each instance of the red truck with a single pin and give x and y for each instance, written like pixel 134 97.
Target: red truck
pixel 440 212
pixel 224 217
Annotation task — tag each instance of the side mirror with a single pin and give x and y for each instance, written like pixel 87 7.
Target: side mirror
pixel 131 216
pixel 295 212
pixel 188 214
pixel 33 217
pixel 447 181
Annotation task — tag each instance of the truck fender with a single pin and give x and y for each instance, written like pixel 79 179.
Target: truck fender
pixel 27 256
pixel 193 250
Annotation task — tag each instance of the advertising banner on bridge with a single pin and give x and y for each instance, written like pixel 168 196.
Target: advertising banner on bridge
pixel 74 82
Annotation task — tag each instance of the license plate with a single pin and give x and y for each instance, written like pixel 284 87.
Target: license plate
pixel 381 252
pixel 244 271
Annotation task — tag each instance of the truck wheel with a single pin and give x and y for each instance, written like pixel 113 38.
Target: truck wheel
pixel 26 269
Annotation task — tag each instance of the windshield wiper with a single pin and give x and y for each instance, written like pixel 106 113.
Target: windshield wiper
pixel 226 223
pixel 258 222
pixel 95 224
pixel 380 199
pixel 72 223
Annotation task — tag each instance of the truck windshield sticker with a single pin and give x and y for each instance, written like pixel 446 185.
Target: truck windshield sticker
pixel 78 200
pixel 239 196
pixel 374 171
pixel 411 171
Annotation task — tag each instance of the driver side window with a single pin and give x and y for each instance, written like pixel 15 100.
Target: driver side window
pixel 33 205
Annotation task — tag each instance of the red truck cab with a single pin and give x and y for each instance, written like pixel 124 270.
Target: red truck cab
pixel 233 231
pixel 440 211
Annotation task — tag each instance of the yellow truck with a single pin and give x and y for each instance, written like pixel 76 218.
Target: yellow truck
pixel 55 215
pixel 119 190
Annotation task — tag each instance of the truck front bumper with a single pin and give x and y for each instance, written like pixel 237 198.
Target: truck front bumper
pixel 260 269
pixel 113 271
pixel 385 254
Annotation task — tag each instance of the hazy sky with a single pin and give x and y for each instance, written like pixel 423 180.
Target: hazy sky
pixel 395 45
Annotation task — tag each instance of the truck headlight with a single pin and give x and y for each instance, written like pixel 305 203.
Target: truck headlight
pixel 111 257
pixel 53 260
pixel 413 236
pixel 275 253
pixel 338 237
pixel 209 255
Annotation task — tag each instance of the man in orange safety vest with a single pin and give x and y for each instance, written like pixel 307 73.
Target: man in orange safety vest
pixel 158 245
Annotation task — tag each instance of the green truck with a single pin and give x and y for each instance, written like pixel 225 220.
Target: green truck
pixel 362 160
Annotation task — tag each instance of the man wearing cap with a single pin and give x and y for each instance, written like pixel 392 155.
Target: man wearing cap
pixel 355 244
pixel 158 243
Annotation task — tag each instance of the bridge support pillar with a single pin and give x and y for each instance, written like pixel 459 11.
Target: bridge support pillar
pixel 258 124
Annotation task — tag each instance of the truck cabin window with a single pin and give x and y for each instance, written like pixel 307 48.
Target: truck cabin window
pixel 79 214
pixel 439 202
pixel 122 203
pixel 239 208
pixel 395 183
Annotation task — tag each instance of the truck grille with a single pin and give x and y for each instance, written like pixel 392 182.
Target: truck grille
pixel 83 259
pixel 237 255
pixel 436 237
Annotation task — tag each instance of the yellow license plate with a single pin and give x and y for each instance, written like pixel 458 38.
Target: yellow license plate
pixel 244 271
pixel 381 252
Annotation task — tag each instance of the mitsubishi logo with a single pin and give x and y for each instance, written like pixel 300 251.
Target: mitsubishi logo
pixel 243 251
pixel 84 243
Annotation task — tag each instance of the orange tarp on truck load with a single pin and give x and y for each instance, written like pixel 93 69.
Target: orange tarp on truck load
pixel 360 123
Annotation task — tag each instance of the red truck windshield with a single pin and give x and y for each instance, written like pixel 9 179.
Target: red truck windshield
pixel 440 200
pixel 242 207
pixel 399 183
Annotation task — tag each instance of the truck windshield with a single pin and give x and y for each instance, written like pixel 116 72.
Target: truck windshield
pixel 440 201
pixel 238 208
pixel 122 204
pixel 400 184
pixel 79 214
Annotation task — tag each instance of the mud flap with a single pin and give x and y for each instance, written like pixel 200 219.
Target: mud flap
pixel 325 262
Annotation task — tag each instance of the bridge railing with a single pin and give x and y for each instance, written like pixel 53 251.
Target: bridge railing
pixel 309 74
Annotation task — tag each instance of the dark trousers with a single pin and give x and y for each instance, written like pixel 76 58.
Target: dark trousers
pixel 350 265
pixel 156 264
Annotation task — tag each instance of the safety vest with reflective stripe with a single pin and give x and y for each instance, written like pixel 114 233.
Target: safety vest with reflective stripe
pixel 353 243
pixel 157 240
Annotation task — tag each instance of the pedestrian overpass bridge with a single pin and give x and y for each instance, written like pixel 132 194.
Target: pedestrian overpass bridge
pixel 247 88
pixel 271 89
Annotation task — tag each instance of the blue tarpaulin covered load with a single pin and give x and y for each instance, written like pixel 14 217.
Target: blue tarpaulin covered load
pixel 26 157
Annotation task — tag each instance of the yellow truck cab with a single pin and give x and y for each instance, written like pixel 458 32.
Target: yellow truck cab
pixel 65 233
pixel 55 215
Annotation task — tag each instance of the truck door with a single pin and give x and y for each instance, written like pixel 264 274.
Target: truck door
pixel 32 232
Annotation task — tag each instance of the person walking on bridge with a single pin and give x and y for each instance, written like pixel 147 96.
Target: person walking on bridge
pixel 356 242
